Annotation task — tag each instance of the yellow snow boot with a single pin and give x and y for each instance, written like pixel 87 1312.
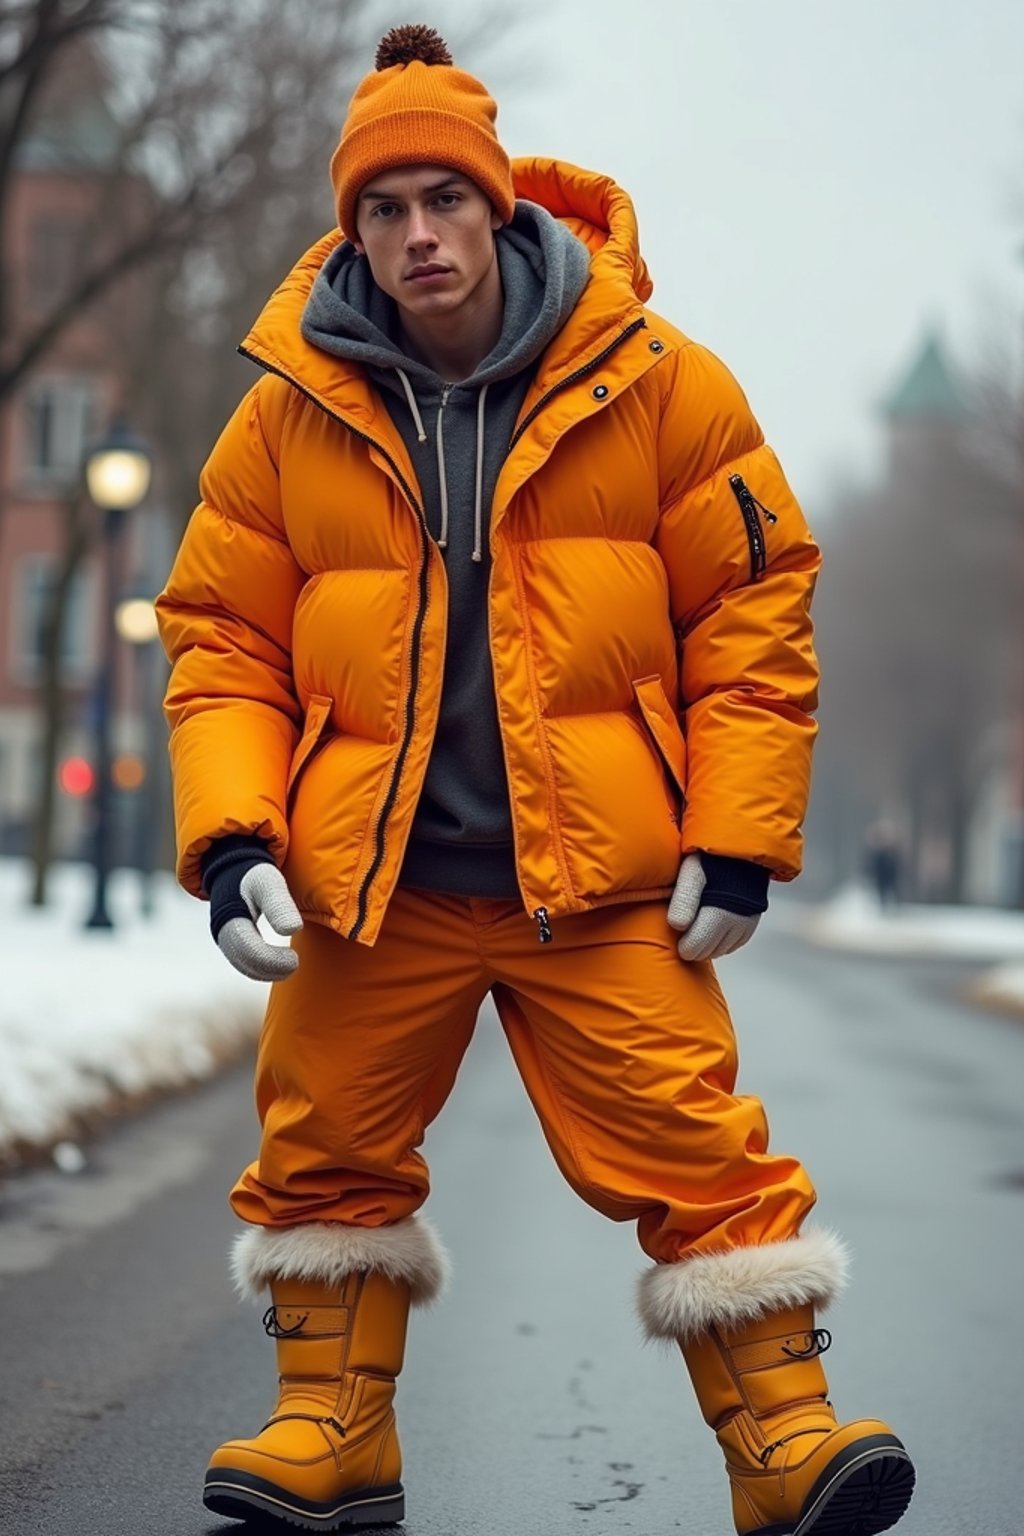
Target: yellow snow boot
pixel 328 1457
pixel 744 1320
pixel 793 1467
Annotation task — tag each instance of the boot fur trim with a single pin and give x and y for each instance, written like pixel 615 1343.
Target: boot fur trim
pixel 741 1285
pixel 329 1250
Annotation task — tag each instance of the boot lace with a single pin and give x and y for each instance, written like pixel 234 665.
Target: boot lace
pixel 277 1330
pixel 313 1418
pixel 817 1343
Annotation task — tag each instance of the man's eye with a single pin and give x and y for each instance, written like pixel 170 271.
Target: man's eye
pixel 383 210
pixel 448 199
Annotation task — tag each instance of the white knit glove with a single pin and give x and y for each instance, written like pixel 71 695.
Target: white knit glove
pixel 265 892
pixel 708 932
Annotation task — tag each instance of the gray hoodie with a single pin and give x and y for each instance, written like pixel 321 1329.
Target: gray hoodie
pixel 458 437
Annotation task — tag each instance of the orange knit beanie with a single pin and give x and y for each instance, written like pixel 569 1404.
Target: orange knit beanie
pixel 418 109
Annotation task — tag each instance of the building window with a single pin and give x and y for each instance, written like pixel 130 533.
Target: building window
pixel 33 588
pixel 59 420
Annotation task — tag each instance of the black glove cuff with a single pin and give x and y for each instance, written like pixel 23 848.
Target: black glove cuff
pixel 227 904
pixel 735 885
pixel 224 865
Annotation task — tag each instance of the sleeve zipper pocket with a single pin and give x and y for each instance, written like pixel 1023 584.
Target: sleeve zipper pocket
pixel 750 507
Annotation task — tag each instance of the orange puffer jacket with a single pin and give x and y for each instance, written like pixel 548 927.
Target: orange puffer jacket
pixel 648 611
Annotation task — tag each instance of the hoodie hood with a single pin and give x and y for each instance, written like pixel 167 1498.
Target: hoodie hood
pixel 544 269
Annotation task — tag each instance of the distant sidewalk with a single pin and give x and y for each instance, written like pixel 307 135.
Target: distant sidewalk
pixel 852 920
pixel 93 1023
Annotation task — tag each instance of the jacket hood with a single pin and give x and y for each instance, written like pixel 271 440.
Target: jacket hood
pixel 590 206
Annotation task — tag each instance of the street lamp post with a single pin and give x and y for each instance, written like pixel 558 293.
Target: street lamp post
pixel 136 624
pixel 117 472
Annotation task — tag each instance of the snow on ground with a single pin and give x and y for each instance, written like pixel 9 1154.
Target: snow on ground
pixel 1002 987
pixel 853 920
pixel 92 1020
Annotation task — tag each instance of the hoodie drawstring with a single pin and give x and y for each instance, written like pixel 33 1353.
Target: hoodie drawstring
pixel 413 407
pixel 478 501
pixel 441 475
pixel 478 497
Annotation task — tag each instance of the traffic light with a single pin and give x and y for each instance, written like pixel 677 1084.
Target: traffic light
pixel 76 777
pixel 128 771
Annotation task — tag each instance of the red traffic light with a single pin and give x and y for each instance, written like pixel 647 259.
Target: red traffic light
pixel 76 776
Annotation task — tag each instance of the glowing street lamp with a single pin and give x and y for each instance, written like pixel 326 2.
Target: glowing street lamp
pixel 135 620
pixel 118 470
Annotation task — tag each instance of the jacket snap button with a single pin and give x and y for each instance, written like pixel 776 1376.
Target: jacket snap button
pixel 657 346
pixel 600 391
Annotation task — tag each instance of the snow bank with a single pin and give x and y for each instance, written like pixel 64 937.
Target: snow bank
pixel 93 1020
pixel 853 920
pixel 1002 987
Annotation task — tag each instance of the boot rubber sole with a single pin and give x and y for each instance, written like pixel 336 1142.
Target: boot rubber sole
pixel 241 1495
pixel 864 1491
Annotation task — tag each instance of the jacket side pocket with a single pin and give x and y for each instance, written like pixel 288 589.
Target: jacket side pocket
pixel 663 728
pixel 318 715
pixel 751 509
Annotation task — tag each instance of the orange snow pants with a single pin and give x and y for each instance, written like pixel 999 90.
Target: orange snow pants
pixel 627 1053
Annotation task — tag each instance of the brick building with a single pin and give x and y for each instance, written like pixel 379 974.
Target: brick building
pixel 68 192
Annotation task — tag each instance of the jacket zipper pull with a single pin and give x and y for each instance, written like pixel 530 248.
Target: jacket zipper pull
pixel 541 919
pixel 750 506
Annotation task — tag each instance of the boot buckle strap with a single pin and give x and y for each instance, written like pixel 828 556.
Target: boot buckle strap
pixel 762 1354
pixel 815 1344
pixel 290 1322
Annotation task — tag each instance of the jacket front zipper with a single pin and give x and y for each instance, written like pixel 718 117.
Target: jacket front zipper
pixel 417 636
pixel 750 507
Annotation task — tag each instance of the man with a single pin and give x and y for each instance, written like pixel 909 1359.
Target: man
pixel 492 567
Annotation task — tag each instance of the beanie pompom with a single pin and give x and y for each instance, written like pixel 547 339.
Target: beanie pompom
pixel 404 45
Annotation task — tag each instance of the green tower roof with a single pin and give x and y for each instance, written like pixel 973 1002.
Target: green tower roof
pixel 929 391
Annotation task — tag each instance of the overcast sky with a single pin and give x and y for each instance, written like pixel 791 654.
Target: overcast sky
pixel 816 182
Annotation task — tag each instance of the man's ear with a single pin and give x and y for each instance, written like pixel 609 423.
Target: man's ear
pixel 497 222
pixel 359 247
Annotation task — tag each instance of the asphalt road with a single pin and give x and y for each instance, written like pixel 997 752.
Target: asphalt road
pixel 529 1404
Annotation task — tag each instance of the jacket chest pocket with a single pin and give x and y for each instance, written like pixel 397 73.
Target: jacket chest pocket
pixel 314 733
pixel 663 728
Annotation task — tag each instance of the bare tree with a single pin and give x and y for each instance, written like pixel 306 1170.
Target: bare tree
pixel 920 630
pixel 204 105
pixel 226 119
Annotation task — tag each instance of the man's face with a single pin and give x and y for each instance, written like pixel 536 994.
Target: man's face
pixel 428 234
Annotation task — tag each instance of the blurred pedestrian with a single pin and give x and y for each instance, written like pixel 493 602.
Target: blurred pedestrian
pixel 491 565
pixel 883 859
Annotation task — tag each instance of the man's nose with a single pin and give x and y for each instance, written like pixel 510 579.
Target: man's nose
pixel 419 230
